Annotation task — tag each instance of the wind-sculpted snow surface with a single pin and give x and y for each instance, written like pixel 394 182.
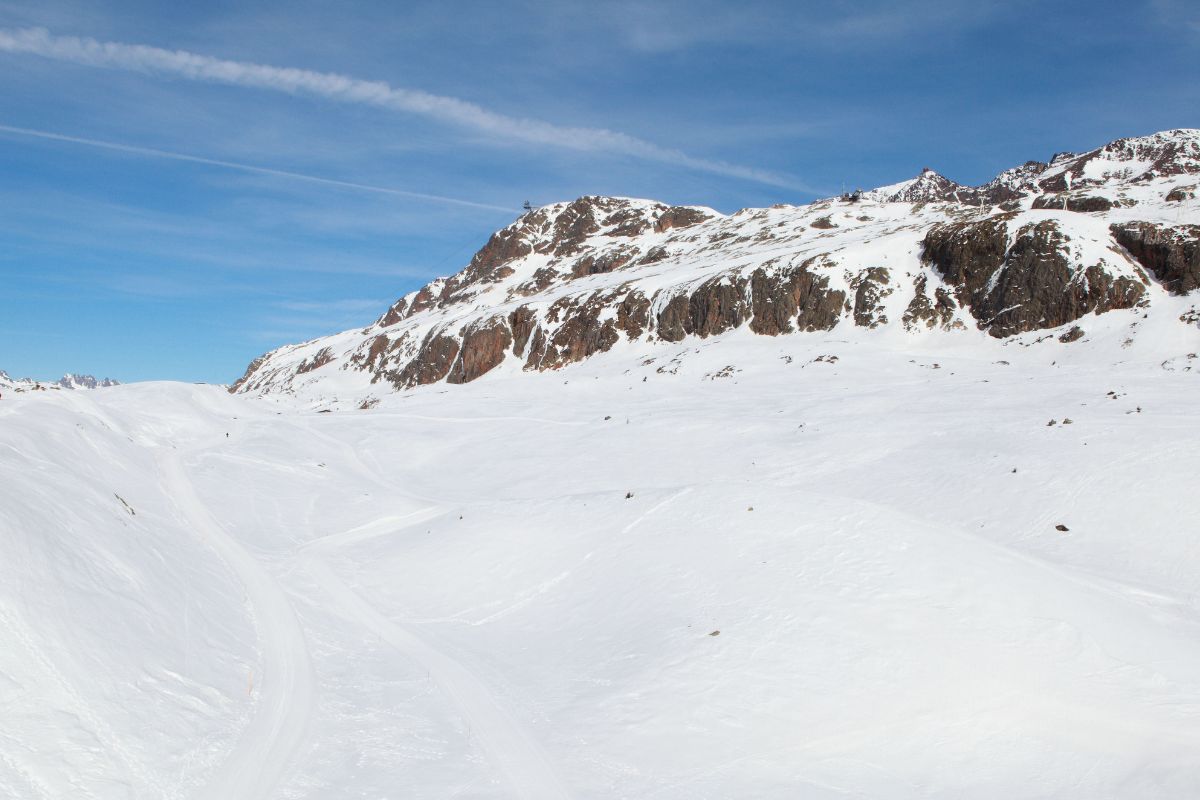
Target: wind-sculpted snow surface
pixel 1043 247
pixel 761 567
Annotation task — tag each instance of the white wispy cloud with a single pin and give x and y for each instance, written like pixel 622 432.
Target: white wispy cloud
pixel 342 88
pixel 152 152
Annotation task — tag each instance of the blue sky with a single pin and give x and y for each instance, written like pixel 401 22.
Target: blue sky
pixel 187 187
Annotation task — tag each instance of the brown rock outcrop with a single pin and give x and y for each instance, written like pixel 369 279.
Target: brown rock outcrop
pixel 484 346
pixel 320 358
pixel 394 314
pixel 633 314
pixel 522 323
pixel 937 312
pixel 575 224
pixel 1181 193
pixel 581 333
pixel 505 245
pixel 432 362
pixel 679 217
pixel 793 296
pixel 371 359
pixel 244 381
pixel 1171 254
pixel 1082 204
pixel 604 262
pixel 1031 285
pixel 670 324
pixel 870 287
pixel 717 305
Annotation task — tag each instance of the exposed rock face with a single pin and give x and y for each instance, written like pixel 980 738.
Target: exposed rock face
pixel 870 287
pixel 484 346
pixel 713 307
pixel 1172 254
pixel 1079 203
pixel 922 311
pixel 432 362
pixel 427 298
pixel 680 217
pixel 394 314
pixel 323 356
pixel 251 371
pixel 717 305
pixel 372 359
pixel 633 314
pixel 604 262
pixel 522 323
pixel 581 334
pixel 504 246
pixel 1038 247
pixel 793 299
pixel 575 224
pixel 1028 286
pixel 672 321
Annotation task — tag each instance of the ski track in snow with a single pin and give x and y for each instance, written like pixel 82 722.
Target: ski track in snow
pixel 260 757
pixel 513 752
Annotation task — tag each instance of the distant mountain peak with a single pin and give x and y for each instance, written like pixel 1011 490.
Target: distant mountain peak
pixel 69 381
pixel 73 381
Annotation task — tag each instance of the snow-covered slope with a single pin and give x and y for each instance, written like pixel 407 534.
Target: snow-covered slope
pixel 1043 247
pixel 806 566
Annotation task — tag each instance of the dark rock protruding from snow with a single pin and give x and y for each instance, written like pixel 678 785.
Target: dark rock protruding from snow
pixel 1030 284
pixel 1171 254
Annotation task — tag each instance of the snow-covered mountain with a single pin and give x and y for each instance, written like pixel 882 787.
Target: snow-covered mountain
pixel 878 499
pixel 68 381
pixel 72 381
pixel 1042 247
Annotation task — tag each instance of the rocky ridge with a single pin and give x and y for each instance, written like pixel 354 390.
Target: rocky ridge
pixel 68 381
pixel 1039 247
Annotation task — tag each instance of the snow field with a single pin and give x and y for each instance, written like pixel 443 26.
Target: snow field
pixel 453 594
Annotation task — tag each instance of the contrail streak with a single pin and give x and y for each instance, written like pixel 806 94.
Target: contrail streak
pixel 342 88
pixel 216 162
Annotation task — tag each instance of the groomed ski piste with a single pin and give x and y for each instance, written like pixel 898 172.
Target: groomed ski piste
pixel 856 564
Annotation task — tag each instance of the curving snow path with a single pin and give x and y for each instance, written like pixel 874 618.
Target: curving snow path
pixel 257 764
pixel 511 750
